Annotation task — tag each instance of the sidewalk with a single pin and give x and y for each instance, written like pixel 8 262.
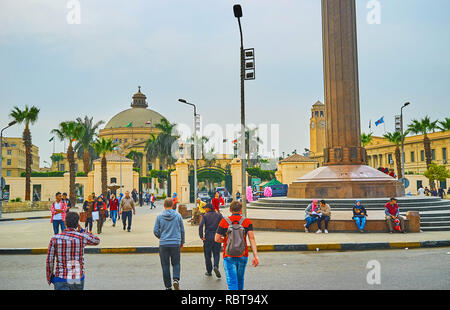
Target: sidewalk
pixel 33 234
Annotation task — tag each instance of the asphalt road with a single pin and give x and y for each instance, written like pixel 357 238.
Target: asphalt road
pixel 399 269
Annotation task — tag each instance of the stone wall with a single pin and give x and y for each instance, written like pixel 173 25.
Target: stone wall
pixel 11 207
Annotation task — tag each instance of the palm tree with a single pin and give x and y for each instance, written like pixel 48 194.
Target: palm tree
pixel 56 158
pixel 203 140
pixel 252 142
pixel 137 158
pixel 103 147
pixel 161 146
pixel 424 126
pixel 396 138
pixel 444 125
pixel 366 139
pixel 83 147
pixel 27 116
pixel 70 131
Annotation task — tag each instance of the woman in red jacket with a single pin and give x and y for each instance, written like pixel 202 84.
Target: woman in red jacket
pixel 113 207
pixel 217 201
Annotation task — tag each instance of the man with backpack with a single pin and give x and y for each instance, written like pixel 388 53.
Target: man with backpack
pixel 233 231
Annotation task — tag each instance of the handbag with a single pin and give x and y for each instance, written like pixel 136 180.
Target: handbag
pixel 83 217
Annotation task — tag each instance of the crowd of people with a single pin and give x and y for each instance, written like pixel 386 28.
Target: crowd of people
pixel 433 192
pixel 318 212
pixel 67 247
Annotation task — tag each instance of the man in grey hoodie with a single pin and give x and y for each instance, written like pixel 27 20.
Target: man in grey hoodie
pixel 169 229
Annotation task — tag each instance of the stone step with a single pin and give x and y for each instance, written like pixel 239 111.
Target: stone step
pixel 435 224
pixel 436 228
pixel 434 219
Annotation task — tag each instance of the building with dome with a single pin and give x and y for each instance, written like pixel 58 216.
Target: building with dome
pixel 131 129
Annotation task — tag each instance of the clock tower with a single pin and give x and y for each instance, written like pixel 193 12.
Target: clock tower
pixel 317 128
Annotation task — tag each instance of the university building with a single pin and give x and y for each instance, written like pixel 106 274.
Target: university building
pixel 14 156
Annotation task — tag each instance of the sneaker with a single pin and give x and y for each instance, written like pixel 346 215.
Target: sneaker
pixel 208 274
pixel 176 284
pixel 124 228
pixel 326 231
pixel 306 230
pixel 217 272
pixel 129 230
pixel 114 225
pixel 318 232
pixel 168 288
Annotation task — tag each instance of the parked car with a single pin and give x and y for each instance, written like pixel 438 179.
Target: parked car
pixel 204 197
pixel 227 197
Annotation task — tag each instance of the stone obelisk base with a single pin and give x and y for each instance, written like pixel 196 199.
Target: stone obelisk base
pixel 346 181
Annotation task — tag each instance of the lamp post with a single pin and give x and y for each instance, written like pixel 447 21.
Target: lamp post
pixel 309 151
pixel 247 73
pixel 403 139
pixel 195 145
pixel 1 163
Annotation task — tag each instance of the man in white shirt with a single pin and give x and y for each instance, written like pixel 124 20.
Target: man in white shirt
pixel 58 209
pixel 421 191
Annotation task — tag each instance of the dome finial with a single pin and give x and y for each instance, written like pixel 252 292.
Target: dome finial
pixel 139 100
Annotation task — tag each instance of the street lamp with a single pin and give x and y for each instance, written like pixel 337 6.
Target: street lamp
pixel 309 151
pixel 247 73
pixel 196 125
pixel 403 139
pixel 1 163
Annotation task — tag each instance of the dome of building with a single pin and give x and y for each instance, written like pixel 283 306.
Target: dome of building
pixel 138 115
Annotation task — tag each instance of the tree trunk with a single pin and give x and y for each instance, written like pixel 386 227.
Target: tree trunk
pixel 86 161
pixel 71 159
pixel 104 177
pixel 28 161
pixel 398 162
pixel 427 147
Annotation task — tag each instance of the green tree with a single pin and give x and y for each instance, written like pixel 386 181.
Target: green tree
pixel 436 173
pixel 103 147
pixel 161 145
pixel 444 125
pixel 252 142
pixel 136 157
pixel 70 131
pixel 56 158
pixel 84 146
pixel 366 139
pixel 396 138
pixel 424 126
pixel 27 116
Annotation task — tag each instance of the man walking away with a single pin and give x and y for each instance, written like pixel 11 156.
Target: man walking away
pixel 152 201
pixel 58 209
pixel 393 217
pixel 210 221
pixel 233 231
pixel 169 229
pixel 68 248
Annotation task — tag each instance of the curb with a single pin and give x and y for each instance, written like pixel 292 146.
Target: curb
pixel 261 248
pixel 24 218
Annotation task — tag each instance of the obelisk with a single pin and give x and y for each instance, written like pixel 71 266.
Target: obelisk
pixel 345 174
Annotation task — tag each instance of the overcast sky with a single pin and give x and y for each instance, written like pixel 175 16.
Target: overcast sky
pixel 190 49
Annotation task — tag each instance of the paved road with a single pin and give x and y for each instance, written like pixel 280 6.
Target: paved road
pixel 400 269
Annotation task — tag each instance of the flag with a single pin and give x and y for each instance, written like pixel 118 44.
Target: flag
pixel 53 138
pixel 235 141
pixel 129 125
pixel 380 121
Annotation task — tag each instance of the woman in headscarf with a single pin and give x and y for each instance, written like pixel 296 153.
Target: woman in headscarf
pixel 87 207
pixel 311 214
pixel 359 215
pixel 175 200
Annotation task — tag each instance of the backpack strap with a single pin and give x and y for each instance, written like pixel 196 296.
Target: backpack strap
pixel 242 220
pixel 228 221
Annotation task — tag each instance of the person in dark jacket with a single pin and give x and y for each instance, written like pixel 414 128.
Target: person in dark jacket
pixel 359 215
pixel 210 221
pixel 100 207
pixel 87 207
pixel 169 229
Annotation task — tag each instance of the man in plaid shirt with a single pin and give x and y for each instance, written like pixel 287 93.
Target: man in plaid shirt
pixel 68 248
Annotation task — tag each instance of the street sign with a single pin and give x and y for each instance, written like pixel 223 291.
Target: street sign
pixel 256 181
pixel 404 181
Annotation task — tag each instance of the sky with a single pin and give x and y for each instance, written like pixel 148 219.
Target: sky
pixel 190 49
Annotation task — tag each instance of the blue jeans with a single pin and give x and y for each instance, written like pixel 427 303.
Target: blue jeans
pixel 64 286
pixel 235 271
pixel 113 215
pixel 360 222
pixel 168 255
pixel 310 220
pixel 57 224
pixel 127 215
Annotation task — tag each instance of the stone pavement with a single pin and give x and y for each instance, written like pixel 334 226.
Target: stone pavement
pixel 37 233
